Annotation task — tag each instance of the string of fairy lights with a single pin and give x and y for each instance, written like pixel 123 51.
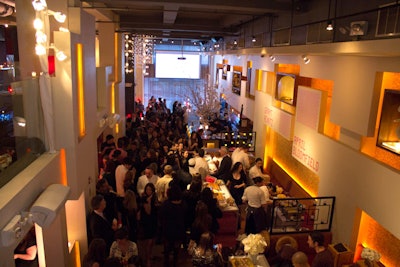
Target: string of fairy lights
pixel 138 52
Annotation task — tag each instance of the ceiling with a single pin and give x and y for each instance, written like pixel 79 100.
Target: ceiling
pixel 185 19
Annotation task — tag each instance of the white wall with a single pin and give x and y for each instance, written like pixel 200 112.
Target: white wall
pixel 355 179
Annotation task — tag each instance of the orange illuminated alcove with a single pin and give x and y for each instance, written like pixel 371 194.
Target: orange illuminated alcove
pixel 369 233
pixel 383 80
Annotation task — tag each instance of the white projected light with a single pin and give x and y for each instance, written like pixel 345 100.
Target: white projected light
pixel 169 66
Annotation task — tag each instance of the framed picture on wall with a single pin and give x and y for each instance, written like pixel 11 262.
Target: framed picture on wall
pixel 236 82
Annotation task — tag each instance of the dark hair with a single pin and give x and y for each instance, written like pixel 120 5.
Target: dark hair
pixel 96 200
pixel 196 186
pixel 201 152
pixel 235 166
pixel 206 240
pixel 100 183
pixel 121 233
pixel 318 237
pixel 109 137
pixel 127 161
pixel 258 159
pixel 257 179
pixel 151 185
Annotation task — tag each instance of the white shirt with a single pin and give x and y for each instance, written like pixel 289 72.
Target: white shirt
pixel 162 187
pixel 201 166
pixel 265 190
pixel 143 181
pixel 255 171
pixel 239 155
pixel 254 196
pixel 120 173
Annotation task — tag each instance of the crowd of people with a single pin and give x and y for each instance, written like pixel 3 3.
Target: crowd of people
pixel 150 190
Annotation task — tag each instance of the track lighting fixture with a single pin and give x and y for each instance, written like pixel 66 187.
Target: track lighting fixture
pixel 306 59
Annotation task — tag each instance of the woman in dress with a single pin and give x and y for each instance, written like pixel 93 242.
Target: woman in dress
pixel 204 254
pixel 124 249
pixel 207 197
pixel 148 220
pixel 237 182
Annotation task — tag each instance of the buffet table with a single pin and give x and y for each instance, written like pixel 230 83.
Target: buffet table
pixel 228 224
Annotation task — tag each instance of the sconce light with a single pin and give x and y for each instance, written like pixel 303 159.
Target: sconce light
pixel 272 58
pixel 329 26
pixel 20 121
pixel 306 59
pixel 254 39
pixel 58 16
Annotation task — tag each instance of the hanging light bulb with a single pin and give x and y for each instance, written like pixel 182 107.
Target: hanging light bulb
pixel 329 26
pixel 41 37
pixel 40 49
pixel 38 24
pixel 254 39
pixel 39 5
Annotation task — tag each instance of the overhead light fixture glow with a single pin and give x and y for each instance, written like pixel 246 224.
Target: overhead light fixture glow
pixel 306 59
pixel 235 42
pixel 254 39
pixel 329 26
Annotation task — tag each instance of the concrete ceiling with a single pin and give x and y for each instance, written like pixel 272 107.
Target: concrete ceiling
pixel 187 19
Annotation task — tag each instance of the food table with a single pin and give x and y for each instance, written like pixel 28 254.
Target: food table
pixel 228 224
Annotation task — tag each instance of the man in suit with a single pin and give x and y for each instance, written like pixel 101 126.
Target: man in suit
pixel 224 168
pixel 99 226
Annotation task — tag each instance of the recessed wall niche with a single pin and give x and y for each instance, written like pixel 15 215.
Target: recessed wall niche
pixel 389 126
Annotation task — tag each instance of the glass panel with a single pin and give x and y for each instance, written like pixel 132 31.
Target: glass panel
pixel 291 215
pixel 21 127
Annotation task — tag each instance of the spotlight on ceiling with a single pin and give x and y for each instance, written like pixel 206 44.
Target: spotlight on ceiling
pixel 235 42
pixel 329 26
pixel 254 39
pixel 306 59
pixel 272 58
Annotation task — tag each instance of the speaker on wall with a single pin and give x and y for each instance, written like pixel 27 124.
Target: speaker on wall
pixel 45 208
